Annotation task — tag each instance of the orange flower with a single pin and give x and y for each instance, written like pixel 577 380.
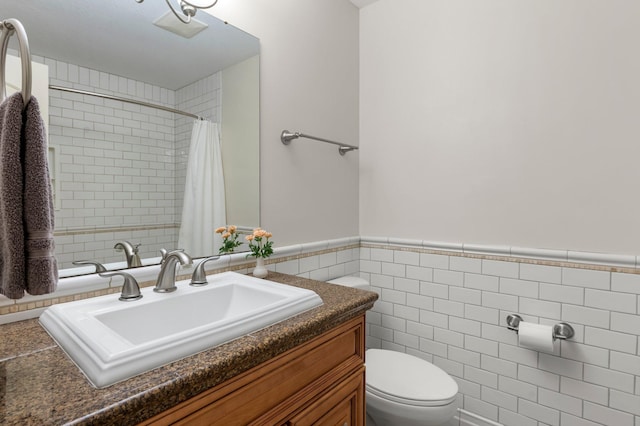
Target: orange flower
pixel 220 230
pixel 268 235
pixel 232 229
pixel 226 235
pixel 259 233
pixel 249 237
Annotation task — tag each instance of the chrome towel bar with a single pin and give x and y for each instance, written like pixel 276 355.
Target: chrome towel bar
pixel 286 137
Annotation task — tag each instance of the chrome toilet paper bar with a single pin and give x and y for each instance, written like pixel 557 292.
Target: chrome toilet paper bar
pixel 562 330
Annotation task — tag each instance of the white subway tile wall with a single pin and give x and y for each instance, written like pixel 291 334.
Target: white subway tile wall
pixel 451 310
pixel 322 267
pixel 120 164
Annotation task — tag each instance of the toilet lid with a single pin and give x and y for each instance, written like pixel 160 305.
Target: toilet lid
pixel 407 379
pixel 350 281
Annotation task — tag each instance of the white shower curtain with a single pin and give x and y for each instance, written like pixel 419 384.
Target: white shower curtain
pixel 204 200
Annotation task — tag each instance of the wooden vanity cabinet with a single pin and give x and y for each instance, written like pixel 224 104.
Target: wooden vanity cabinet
pixel 320 382
pixel 341 406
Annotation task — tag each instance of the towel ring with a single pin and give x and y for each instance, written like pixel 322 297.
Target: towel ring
pixel 9 26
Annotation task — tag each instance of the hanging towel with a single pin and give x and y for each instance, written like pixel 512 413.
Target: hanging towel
pixel 27 261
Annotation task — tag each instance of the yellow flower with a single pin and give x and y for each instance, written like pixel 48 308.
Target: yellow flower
pixel 249 237
pixel 220 230
pixel 226 235
pixel 232 229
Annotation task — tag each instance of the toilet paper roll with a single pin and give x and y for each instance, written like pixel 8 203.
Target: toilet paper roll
pixel 535 336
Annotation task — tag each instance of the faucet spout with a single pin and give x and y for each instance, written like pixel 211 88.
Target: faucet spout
pixel 128 251
pixel 167 278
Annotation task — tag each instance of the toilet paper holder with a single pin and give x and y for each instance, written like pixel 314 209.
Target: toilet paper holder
pixel 562 330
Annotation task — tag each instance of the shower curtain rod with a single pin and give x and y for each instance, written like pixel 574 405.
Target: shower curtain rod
pixel 131 101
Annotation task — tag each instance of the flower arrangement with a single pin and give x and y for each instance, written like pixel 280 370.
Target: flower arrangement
pixel 259 243
pixel 229 238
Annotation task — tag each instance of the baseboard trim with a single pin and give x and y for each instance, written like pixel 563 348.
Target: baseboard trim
pixel 466 418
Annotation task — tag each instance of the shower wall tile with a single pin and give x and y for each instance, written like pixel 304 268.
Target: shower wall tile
pixel 591 379
pixel 120 163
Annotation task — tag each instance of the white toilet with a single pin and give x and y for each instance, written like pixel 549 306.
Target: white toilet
pixel 404 390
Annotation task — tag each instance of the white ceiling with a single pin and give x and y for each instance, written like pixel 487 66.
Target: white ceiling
pixel 118 36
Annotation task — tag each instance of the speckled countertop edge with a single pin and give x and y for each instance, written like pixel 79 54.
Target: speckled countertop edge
pixel 40 385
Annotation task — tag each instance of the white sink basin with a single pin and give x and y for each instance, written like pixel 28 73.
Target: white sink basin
pixel 112 340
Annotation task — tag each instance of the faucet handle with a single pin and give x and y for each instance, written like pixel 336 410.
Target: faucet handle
pixel 130 289
pixel 135 260
pixel 99 266
pixel 164 253
pixel 199 277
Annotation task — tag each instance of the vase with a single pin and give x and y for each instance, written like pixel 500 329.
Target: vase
pixel 260 271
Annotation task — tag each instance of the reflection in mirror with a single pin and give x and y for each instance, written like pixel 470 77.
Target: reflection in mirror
pixel 119 169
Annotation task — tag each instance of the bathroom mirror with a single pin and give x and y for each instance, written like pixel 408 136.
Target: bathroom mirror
pixel 118 168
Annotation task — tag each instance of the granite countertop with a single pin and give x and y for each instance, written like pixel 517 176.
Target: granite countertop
pixel 40 385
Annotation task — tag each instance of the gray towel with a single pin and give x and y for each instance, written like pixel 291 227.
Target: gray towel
pixel 27 262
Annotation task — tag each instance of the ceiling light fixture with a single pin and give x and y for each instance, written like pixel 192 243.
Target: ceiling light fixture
pixel 189 9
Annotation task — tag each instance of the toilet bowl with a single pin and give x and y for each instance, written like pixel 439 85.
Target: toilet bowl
pixel 402 389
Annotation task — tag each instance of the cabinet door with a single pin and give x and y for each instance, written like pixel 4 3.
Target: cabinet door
pixel 342 405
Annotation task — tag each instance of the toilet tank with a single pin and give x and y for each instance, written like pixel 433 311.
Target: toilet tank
pixel 350 281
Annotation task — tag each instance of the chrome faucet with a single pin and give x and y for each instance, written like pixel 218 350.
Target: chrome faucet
pixel 130 252
pixel 167 278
